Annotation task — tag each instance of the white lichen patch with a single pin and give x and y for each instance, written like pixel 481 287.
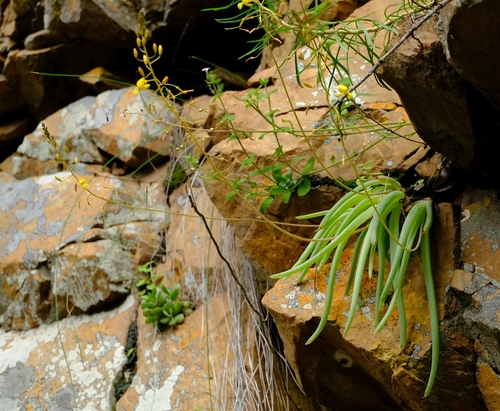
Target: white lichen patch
pixel 157 399
pixel 91 355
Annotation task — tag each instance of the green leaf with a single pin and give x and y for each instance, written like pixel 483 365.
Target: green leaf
pixel 277 174
pixel 150 320
pixel 230 195
pixel 254 173
pixel 297 159
pixel 248 160
pixel 304 187
pixel 286 196
pixel 179 318
pixel 309 166
pixel 265 204
pixel 174 292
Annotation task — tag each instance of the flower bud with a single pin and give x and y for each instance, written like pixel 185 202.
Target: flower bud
pixel 145 59
pixel 155 48
pixel 160 50
pixel 138 42
pixel 165 80
pixel 141 72
pixel 136 53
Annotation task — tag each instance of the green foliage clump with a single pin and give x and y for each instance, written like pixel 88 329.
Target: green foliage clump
pixel 160 307
pixel 374 209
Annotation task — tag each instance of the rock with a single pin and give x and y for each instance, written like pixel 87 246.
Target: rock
pixel 13 131
pixel 69 365
pixel 25 167
pixel 390 377
pixel 115 122
pixel 489 384
pixel 430 168
pixel 468 31
pixel 50 246
pixel 43 39
pixel 98 22
pixel 172 365
pixel 11 99
pixel 448 113
pixel 46 94
pixel 70 126
pixel 133 128
pixel 479 255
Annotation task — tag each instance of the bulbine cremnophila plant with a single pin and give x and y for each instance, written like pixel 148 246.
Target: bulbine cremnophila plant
pixel 374 209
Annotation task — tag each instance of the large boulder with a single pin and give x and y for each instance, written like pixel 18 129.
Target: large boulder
pixel 454 116
pixel 72 364
pixel 65 252
pixel 116 122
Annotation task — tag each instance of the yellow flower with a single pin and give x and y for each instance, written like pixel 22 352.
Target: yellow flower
pixel 343 91
pixel 83 182
pixel 244 3
pixel 142 84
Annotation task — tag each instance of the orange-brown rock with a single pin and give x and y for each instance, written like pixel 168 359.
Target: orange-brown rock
pixel 43 249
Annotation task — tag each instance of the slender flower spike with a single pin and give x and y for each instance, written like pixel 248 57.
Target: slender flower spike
pixel 244 3
pixel 142 84
pixel 343 91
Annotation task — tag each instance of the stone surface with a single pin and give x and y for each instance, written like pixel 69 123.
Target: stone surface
pixel 390 377
pixel 489 384
pixel 448 113
pixel 133 128
pixel 70 127
pixel 468 31
pixel 172 364
pixel 12 133
pixel 116 122
pixel 94 21
pixel 42 250
pixel 10 98
pixel 479 256
pixel 65 366
pixel 46 94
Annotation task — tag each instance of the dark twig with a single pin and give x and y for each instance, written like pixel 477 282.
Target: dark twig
pixel 231 270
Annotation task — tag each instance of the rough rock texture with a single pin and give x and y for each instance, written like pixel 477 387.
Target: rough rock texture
pixel 449 113
pixel 133 128
pixel 43 254
pixel 469 32
pixel 172 364
pixel 115 122
pixel 65 366
pixel 478 284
